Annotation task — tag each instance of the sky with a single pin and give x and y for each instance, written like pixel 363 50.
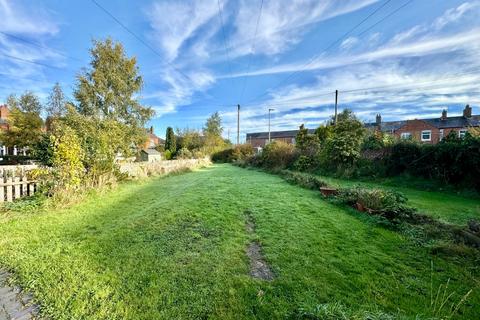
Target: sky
pixel 403 59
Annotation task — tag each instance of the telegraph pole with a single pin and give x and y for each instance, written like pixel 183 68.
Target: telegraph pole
pixel 336 103
pixel 238 124
pixel 269 110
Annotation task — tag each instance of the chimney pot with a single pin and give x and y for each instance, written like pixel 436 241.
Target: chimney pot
pixel 444 114
pixel 467 112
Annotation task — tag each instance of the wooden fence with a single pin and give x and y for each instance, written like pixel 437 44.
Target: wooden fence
pixel 14 182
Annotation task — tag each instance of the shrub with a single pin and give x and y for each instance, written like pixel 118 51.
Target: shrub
pixel 168 155
pixel 303 179
pixel 278 155
pixel 184 153
pixel 390 204
pixel 239 152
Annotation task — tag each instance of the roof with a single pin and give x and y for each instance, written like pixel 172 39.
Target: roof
pixel 151 152
pixel 449 122
pixel 455 122
pixel 276 134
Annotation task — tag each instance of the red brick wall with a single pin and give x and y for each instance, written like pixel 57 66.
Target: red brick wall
pixel 415 127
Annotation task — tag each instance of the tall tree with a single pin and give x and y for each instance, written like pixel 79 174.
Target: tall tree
pixel 56 102
pixel 170 143
pixel 213 127
pixel 24 121
pixel 111 87
pixel 213 134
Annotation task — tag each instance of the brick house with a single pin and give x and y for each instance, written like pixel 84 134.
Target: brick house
pixel 430 130
pixel 153 140
pixel 260 139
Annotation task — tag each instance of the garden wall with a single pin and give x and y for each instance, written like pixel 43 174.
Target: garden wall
pixel 146 169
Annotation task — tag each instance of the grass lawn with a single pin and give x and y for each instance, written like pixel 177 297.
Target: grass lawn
pixel 174 248
pixel 446 206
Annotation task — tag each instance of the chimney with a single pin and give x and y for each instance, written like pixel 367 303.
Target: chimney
pixel 378 119
pixel 444 114
pixel 151 130
pixel 467 112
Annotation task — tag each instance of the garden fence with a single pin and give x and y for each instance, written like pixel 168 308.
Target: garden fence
pixel 14 182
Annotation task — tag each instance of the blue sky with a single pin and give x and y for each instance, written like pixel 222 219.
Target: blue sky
pixel 410 63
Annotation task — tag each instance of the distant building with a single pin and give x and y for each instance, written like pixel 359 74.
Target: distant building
pixel 431 130
pixel 260 139
pixel 153 140
pixel 150 155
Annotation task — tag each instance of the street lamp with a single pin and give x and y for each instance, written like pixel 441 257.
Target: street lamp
pixel 269 111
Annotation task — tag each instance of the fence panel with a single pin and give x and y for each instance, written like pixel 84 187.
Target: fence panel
pixel 14 182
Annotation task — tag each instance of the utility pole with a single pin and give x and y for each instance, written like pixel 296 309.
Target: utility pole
pixel 238 124
pixel 269 110
pixel 336 103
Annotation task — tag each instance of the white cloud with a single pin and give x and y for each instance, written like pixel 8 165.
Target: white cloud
pixel 283 23
pixel 349 43
pixel 174 22
pixel 421 48
pixel 454 14
pixel 26 19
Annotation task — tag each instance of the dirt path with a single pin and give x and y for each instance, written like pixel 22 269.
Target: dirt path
pixel 258 266
pixel 15 304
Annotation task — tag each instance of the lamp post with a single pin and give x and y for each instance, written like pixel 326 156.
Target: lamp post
pixel 269 111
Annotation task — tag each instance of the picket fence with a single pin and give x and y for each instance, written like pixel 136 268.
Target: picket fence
pixel 14 182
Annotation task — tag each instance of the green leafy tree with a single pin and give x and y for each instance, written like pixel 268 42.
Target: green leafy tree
pixel 324 133
pixel 170 142
pixel 56 102
pixel 24 122
pixel 345 145
pixel 110 90
pixel 212 132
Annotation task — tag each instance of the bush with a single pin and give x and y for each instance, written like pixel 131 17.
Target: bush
pixel 304 180
pixel 389 204
pixel 168 155
pixel 278 155
pixel 237 153
pixel 184 153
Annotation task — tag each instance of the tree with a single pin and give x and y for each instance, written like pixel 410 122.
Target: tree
pixel 170 142
pixel 24 122
pixel 213 126
pixel 28 102
pixel 345 145
pixel 213 133
pixel 307 144
pixel 324 133
pixel 56 102
pixel 110 89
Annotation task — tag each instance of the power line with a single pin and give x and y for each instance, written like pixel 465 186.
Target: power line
pixel 253 50
pixel 314 58
pixel 140 39
pixel 385 18
pixel 31 61
pixel 36 44
pixel 227 51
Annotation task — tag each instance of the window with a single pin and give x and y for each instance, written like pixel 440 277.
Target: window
pixel 406 135
pixel 293 140
pixel 426 135
pixel 461 133
pixel 440 135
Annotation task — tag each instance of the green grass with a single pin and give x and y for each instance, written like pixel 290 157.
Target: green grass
pixel 174 248
pixel 444 205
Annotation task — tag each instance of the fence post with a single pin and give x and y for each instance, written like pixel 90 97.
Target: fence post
pixel 9 186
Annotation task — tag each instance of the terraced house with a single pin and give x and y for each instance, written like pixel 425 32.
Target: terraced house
pixel 430 130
